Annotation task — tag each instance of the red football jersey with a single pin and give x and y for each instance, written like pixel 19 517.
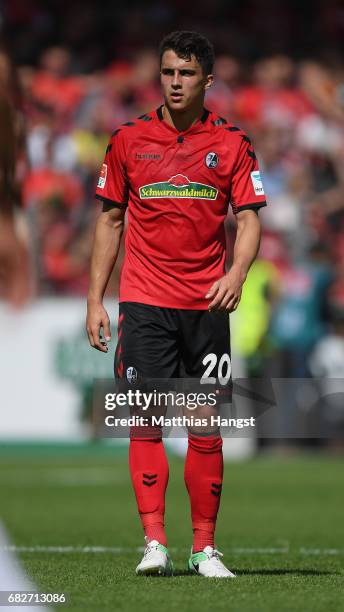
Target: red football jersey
pixel 177 186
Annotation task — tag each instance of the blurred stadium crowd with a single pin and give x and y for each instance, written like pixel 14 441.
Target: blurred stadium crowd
pixel 69 96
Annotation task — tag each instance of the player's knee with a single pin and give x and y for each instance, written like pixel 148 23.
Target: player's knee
pixel 151 434
pixel 205 444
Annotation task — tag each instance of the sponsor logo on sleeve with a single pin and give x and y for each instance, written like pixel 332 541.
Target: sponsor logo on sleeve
pixel 178 186
pixel 102 177
pixel 257 183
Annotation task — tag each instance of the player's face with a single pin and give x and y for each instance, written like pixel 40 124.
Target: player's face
pixel 183 82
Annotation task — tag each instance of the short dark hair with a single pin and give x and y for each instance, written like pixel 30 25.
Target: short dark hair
pixel 185 44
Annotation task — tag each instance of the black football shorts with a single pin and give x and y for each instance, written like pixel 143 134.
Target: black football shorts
pixel 164 343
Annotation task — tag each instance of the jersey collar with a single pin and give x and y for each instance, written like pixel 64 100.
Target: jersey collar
pixel 202 120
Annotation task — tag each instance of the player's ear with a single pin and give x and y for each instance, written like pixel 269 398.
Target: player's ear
pixel 209 79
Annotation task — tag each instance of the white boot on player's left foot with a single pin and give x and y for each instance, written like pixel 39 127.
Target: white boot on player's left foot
pixel 208 563
pixel 156 560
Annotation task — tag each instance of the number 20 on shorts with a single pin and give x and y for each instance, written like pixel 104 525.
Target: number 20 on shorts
pixel 224 369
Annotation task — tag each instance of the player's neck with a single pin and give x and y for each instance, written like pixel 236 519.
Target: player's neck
pixel 182 120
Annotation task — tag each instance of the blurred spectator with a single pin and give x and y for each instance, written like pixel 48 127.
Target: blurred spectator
pixel 53 87
pixel 324 88
pixel 220 98
pixel 273 97
pixel 299 320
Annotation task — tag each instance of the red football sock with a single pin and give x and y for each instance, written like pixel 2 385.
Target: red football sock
pixel 149 473
pixel 203 478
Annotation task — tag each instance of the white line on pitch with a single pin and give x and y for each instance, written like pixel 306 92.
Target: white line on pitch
pixel 259 551
pixel 321 551
pixel 63 477
pixel 122 549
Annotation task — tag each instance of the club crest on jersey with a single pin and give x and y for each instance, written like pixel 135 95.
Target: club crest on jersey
pixel 131 375
pixel 178 186
pixel 102 177
pixel 211 159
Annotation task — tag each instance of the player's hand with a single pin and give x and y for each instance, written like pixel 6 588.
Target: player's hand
pixel 98 318
pixel 225 293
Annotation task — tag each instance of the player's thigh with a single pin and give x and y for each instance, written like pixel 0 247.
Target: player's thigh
pixel 206 345
pixel 206 360
pixel 147 345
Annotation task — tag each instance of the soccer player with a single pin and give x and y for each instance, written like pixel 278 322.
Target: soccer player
pixel 176 169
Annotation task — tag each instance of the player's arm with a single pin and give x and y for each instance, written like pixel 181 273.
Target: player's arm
pixel 225 293
pixel 107 239
pixel 247 196
pixel 112 190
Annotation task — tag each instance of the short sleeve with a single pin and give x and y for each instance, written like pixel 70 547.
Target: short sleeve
pixel 112 185
pixel 247 190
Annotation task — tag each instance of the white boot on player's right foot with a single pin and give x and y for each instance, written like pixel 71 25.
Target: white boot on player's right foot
pixel 156 560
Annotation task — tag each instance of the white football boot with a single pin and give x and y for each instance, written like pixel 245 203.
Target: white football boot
pixel 207 563
pixel 156 560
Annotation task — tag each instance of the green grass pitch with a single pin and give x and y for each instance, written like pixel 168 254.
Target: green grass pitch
pixel 280 528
